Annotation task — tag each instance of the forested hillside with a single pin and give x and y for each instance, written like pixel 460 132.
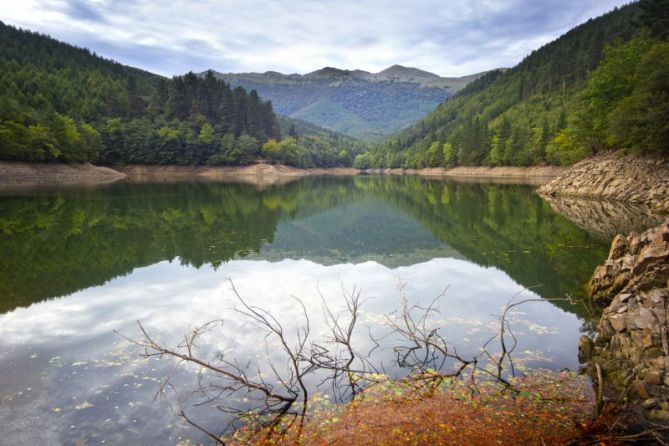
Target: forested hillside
pixel 601 85
pixel 364 105
pixel 63 103
pixel 323 147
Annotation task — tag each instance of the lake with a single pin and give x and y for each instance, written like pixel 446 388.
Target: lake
pixel 78 263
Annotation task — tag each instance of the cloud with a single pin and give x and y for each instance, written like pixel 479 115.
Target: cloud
pixel 450 38
pixel 83 10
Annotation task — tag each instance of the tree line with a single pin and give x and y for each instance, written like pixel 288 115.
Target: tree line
pixel 63 103
pixel 603 85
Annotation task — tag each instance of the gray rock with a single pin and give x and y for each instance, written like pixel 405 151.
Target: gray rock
pixel 633 345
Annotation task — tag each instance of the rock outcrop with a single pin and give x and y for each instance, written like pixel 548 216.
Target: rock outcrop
pixel 633 343
pixel 616 176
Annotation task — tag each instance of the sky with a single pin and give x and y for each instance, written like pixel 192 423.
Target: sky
pixel 170 37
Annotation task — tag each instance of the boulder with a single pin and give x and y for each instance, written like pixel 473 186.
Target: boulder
pixel 632 345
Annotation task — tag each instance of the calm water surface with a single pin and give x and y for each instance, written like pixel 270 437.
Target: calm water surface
pixel 78 263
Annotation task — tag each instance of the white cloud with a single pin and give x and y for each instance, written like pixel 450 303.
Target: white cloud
pixel 450 38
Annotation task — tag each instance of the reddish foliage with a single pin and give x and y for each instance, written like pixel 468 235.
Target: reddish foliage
pixel 544 409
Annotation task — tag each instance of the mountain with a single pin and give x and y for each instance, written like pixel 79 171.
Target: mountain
pixel 59 102
pixel 357 103
pixel 62 103
pixel 601 85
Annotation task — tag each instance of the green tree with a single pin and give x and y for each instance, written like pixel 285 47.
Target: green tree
pixel 655 16
pixel 640 121
pixel 272 150
pixel 448 154
pixel 435 154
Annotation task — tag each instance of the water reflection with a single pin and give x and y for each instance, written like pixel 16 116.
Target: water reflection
pixel 162 253
pixel 84 375
pixel 605 219
pixel 54 244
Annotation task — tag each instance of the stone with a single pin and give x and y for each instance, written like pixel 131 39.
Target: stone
pixel 622 297
pixel 648 340
pixel 652 353
pixel 655 296
pixel 639 389
pixel 655 252
pixel 643 319
pixel 642 338
pixel 627 262
pixel 618 322
pixel 653 378
pixel 585 348
pixel 660 315
pixel 618 247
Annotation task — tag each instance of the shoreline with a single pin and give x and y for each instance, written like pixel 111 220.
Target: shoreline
pixel 26 174
pixel 615 176
pixel 541 172
pixel 19 174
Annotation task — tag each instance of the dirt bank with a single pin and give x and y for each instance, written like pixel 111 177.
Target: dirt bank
pixel 256 174
pixel 533 174
pixel 546 172
pixel 617 177
pixel 21 174
pixel 211 171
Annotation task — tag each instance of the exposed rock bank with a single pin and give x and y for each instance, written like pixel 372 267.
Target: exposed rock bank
pixel 546 172
pixel 532 174
pixel 616 176
pixel 21 174
pixel 633 343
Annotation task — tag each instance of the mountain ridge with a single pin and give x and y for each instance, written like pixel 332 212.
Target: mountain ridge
pixel 357 103
pixel 395 73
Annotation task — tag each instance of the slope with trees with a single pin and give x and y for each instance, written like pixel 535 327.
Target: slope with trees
pixel 601 85
pixel 63 103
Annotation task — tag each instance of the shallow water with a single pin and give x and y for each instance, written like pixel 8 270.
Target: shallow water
pixel 78 263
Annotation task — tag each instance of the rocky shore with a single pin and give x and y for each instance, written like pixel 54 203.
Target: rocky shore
pixel 542 173
pixel 259 174
pixel 618 177
pixel 632 347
